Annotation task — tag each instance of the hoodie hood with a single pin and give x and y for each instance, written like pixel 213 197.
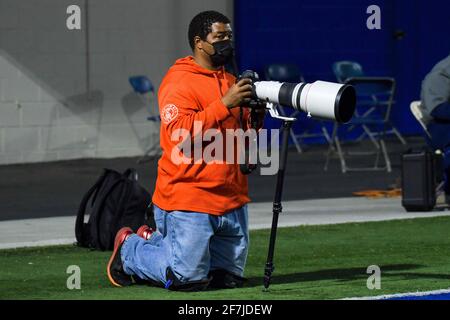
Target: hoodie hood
pixel 188 64
pixel 223 79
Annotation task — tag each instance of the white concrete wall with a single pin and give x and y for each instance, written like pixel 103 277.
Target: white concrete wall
pixel 45 111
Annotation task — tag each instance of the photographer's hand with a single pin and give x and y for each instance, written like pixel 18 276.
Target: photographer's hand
pixel 239 93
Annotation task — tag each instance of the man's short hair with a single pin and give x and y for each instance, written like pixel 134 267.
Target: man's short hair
pixel 201 25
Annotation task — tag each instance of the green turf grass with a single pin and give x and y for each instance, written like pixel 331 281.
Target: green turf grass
pixel 312 262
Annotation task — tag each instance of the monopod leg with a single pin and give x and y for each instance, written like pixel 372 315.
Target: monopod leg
pixel 277 208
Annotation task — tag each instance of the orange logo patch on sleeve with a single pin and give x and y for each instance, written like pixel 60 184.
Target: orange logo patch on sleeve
pixel 169 112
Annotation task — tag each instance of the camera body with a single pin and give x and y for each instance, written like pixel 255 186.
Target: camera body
pixel 255 103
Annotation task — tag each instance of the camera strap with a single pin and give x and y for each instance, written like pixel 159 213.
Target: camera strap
pixel 246 167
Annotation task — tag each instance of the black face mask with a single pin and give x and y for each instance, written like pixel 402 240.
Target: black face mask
pixel 223 52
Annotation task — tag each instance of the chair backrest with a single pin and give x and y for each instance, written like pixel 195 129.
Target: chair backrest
pixel 418 114
pixel 344 70
pixel 283 72
pixel 141 84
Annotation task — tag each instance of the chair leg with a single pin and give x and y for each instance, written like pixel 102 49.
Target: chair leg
pixel 296 143
pixel 399 136
pixel 336 141
pixel 377 159
pixel 371 136
pixel 396 133
pixel 341 155
pixel 386 156
pixel 331 147
pixel 326 135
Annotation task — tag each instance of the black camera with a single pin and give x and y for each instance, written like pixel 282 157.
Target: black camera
pixel 254 103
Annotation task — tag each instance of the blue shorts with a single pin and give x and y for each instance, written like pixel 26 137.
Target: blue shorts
pixel 190 243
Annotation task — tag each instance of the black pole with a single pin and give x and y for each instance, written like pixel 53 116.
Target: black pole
pixel 277 208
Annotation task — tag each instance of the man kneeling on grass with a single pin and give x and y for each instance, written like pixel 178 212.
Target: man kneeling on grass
pixel 200 208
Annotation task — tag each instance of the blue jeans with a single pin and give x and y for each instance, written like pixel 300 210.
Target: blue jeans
pixel 190 243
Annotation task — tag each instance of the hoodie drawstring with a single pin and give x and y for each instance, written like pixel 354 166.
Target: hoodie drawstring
pixel 218 82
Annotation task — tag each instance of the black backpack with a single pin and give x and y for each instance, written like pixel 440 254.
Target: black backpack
pixel 116 200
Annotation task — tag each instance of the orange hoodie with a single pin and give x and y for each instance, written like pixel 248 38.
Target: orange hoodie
pixel 191 93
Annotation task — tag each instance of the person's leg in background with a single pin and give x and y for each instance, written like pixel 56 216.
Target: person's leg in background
pixel 442 112
pixel 439 130
pixel 182 247
pixel 440 140
pixel 447 169
pixel 229 249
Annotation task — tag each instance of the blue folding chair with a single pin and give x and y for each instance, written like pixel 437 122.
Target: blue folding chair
pixel 144 87
pixel 291 73
pixel 375 94
pixel 344 70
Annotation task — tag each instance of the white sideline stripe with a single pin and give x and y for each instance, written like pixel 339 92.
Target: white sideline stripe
pixel 61 230
pixel 401 295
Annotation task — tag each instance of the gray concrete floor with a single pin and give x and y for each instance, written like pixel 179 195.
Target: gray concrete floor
pixel 56 188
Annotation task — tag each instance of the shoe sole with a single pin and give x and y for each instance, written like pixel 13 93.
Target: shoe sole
pixel 108 268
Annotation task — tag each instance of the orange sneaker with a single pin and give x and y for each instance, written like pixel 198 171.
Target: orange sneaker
pixel 145 232
pixel 116 274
